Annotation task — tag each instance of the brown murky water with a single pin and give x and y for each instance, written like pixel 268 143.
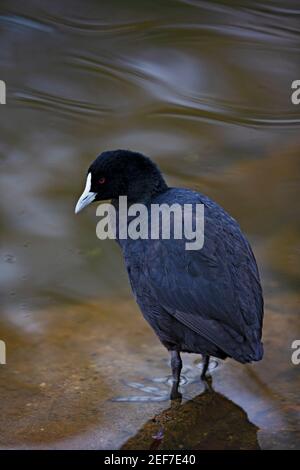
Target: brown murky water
pixel 204 88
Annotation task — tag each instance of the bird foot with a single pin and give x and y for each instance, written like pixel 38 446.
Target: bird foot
pixel 207 380
pixel 175 394
pixel 205 376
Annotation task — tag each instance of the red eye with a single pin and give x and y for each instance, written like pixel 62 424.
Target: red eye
pixel 101 180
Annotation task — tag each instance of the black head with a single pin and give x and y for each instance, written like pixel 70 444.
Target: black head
pixel 121 173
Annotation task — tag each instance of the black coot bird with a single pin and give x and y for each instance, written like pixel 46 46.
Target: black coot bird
pixel 206 301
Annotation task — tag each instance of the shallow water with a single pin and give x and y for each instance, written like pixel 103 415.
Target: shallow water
pixel 204 88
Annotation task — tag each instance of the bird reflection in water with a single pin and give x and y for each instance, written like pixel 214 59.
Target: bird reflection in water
pixel 207 421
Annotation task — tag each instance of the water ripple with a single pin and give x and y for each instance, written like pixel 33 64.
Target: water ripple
pixel 247 118
pixel 47 101
pixel 27 22
pixel 92 26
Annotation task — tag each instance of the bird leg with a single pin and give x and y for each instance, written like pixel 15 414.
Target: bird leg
pixel 176 365
pixel 205 359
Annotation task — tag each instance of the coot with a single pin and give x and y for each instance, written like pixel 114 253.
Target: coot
pixel 207 301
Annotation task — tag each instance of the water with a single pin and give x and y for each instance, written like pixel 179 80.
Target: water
pixel 204 88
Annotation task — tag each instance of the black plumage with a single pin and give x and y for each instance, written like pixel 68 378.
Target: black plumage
pixel 206 301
